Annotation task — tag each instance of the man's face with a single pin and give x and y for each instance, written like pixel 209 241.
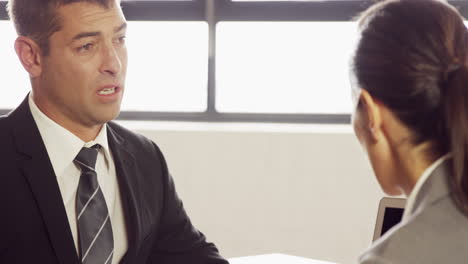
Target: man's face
pixel 82 78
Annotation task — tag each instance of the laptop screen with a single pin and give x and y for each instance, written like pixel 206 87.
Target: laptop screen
pixel 392 216
pixel 389 214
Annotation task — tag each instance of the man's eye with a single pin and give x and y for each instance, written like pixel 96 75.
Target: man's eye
pixel 85 47
pixel 122 39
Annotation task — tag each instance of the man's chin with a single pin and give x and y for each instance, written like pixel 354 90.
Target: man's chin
pixel 106 116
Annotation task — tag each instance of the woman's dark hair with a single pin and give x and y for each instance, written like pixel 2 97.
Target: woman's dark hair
pixel 412 56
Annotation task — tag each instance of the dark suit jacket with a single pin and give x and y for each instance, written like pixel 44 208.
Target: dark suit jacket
pixel 33 223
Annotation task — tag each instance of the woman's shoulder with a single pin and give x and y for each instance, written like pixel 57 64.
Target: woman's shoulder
pixel 432 235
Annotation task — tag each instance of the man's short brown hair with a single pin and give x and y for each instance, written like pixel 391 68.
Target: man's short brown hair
pixel 38 19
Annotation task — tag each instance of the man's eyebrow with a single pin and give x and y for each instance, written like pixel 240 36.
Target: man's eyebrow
pixel 121 27
pixel 85 35
pixel 94 34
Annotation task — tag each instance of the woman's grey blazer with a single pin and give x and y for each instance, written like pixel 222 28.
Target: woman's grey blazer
pixel 436 231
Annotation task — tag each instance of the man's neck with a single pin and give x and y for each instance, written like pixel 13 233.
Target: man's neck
pixel 84 132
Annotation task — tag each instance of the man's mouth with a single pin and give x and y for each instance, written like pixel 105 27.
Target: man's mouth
pixel 107 91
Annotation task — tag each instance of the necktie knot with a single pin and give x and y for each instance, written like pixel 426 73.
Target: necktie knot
pixel 86 158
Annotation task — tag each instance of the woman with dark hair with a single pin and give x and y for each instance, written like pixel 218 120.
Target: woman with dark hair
pixel 410 84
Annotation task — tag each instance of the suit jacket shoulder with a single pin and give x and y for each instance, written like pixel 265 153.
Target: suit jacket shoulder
pixel 5 130
pixel 136 142
pixel 435 233
pixel 165 233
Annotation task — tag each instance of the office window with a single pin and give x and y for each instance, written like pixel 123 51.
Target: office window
pixel 284 67
pixel 168 66
pixel 227 60
pixel 15 81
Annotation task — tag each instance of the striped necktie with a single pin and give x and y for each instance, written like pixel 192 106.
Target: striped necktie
pixel 95 240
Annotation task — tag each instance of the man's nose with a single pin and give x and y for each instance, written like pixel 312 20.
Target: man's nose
pixel 111 61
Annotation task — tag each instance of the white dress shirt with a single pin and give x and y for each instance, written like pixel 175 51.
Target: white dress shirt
pixel 417 187
pixel 62 147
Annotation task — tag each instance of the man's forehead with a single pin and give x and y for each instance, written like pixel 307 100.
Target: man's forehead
pixel 85 16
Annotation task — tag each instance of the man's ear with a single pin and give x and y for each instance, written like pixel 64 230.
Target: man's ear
pixel 30 55
pixel 373 116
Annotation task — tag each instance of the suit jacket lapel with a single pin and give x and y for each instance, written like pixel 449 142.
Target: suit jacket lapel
pixel 128 185
pixel 38 170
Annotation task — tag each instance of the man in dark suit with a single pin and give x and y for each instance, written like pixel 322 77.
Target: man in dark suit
pixel 74 186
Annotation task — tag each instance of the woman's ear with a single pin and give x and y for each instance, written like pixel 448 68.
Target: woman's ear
pixel 29 54
pixel 370 112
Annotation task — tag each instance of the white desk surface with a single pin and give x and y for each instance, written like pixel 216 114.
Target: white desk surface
pixel 275 259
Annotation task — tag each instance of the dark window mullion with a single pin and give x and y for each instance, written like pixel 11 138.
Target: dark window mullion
pixel 238 117
pixel 164 10
pixel 332 10
pixel 343 10
pixel 3 12
pixel 210 16
pixel 152 10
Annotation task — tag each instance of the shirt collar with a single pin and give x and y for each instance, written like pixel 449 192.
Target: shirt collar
pixel 101 139
pixel 411 202
pixel 62 145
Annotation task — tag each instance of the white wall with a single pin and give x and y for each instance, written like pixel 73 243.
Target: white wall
pixel 303 190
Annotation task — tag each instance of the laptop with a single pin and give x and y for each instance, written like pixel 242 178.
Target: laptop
pixel 389 214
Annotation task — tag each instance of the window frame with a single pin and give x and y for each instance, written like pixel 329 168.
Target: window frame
pixel 214 11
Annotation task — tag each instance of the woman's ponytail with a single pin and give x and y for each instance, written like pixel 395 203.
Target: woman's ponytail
pixel 456 125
